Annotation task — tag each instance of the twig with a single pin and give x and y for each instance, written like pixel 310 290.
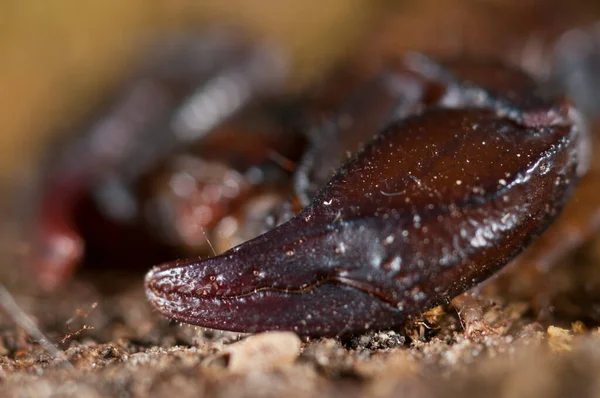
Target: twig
pixel 9 305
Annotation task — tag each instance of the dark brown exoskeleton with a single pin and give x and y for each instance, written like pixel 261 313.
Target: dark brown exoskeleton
pixel 463 164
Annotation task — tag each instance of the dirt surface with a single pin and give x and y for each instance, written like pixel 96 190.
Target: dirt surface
pixel 527 333
pixel 115 345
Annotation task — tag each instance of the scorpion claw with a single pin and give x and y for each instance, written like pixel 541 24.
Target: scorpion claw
pixel 433 204
pixel 224 293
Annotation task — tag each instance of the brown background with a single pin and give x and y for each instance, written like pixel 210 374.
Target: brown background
pixel 58 57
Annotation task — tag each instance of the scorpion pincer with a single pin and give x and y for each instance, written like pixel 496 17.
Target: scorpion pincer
pixel 457 166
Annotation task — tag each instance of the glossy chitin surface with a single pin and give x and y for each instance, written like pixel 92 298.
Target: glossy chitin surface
pixel 455 168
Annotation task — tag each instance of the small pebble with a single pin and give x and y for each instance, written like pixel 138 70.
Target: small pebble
pixel 263 352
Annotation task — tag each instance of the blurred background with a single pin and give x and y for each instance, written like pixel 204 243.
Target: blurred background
pixel 57 58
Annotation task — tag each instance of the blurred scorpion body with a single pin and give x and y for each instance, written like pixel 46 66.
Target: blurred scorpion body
pixel 382 195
